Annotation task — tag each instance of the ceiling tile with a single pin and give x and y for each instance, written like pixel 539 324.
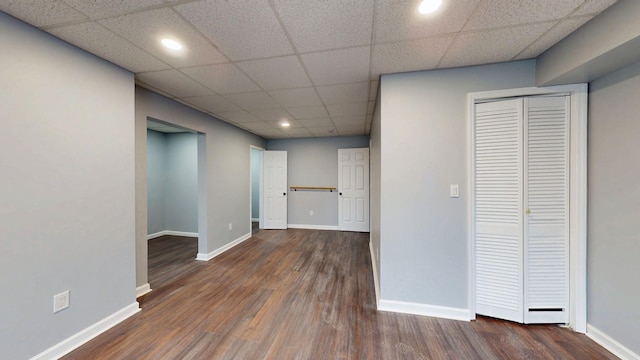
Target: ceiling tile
pixel 323 25
pixel 400 20
pixel 308 112
pixel 552 36
pixel 373 90
pixel 312 123
pixel 371 107
pixel 344 93
pixel 406 56
pixel 254 101
pixel 296 132
pixel 271 114
pixel 491 46
pixel 500 13
pixel 222 78
pixel 174 82
pixel 349 120
pixel 241 29
pixel 338 66
pixel 146 29
pixel 593 7
pixel 260 125
pixel 213 103
pixel 296 97
pixel 102 42
pixel 41 12
pixel 98 9
pixel 337 110
pixel 323 131
pixel 278 124
pixel 277 73
pixel 239 116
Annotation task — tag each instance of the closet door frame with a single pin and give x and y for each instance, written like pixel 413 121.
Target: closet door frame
pixel 577 192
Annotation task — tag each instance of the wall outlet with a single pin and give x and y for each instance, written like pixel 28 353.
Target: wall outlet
pixel 60 301
pixel 310 212
pixel 230 226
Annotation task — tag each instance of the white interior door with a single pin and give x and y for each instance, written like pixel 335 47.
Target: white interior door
pixel 546 202
pixel 521 209
pixel 275 189
pixel 498 209
pixel 353 189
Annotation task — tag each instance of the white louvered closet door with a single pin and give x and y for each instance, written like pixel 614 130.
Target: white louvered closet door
pixel 498 209
pixel 521 209
pixel 546 203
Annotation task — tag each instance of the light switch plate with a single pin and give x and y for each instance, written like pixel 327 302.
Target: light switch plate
pixel 454 191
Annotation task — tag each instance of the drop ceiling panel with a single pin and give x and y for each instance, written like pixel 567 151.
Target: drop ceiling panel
pixel 314 123
pixel 552 36
pixel 238 116
pixel 399 19
pixel 491 46
pixel 254 101
pixel 222 78
pixel 146 29
pixel 500 13
pixel 213 103
pixel 41 12
pixel 271 114
pixel 308 112
pixel 278 125
pixel 593 7
pixel 408 55
pixel 338 66
pixel 277 73
pixel 373 90
pixel 347 109
pixel 296 97
pixel 349 120
pixel 101 41
pixel 323 25
pixel 261 125
pixel 174 83
pixel 241 29
pixel 99 9
pixel 323 131
pixel 344 93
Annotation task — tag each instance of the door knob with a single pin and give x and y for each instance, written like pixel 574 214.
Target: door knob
pixel 340 194
pixel 285 194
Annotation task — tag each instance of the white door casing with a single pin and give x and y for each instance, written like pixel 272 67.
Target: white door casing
pixel 353 189
pixel 275 189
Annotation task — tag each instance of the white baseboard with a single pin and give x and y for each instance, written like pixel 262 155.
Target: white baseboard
pixel 171 233
pixel 312 227
pixel 423 309
pixel 374 268
pixel 66 346
pixel 214 253
pixel 143 290
pixel 610 344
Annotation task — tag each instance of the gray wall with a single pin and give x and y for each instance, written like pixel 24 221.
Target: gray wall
pixel 172 182
pixel 181 207
pixel 67 204
pixel 223 156
pixel 314 162
pixel 156 189
pixel 256 169
pixel 614 206
pixel 424 139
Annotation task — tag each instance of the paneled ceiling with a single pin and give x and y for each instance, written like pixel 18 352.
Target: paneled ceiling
pixel 314 63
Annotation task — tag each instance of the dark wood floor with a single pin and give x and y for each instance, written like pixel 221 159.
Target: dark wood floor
pixel 301 294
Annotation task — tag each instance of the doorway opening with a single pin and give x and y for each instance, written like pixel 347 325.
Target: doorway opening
pixel 255 217
pixel 173 204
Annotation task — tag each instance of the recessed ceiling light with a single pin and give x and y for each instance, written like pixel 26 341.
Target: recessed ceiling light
pixel 171 44
pixel 284 124
pixel 429 6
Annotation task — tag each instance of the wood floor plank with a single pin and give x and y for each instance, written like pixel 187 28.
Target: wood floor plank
pixel 301 294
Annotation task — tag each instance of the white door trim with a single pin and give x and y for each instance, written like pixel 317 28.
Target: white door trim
pixel 577 197
pixel 260 218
